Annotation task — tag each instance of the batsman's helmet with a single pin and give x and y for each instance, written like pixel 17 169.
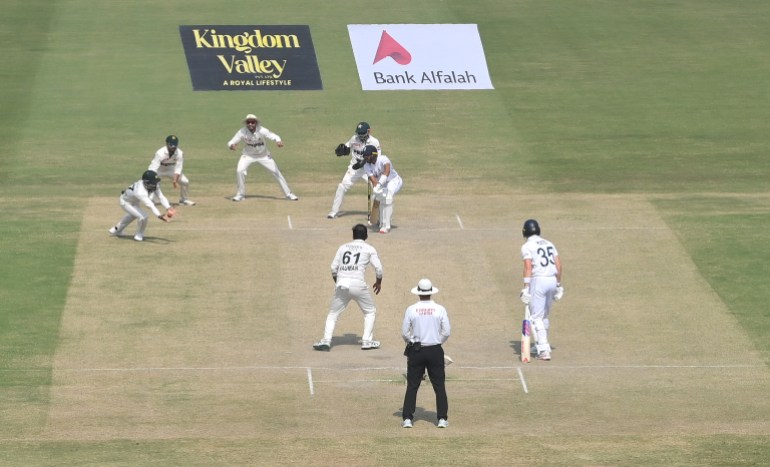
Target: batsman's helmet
pixel 531 227
pixel 360 232
pixel 370 153
pixel 150 179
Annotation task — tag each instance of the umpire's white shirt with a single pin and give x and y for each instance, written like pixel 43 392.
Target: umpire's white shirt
pixel 426 322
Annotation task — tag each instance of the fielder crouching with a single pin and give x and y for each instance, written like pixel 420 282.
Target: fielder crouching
pixel 138 193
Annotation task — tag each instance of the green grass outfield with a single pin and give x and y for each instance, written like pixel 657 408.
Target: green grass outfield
pixel 658 100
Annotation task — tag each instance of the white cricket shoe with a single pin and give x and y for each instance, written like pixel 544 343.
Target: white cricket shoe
pixel 292 197
pixel 114 231
pixel 139 238
pixel 238 198
pixel 442 423
pixel 406 423
pixel 384 230
pixel 331 215
pixel 370 345
pixel 187 202
pixel 322 345
pixel 544 356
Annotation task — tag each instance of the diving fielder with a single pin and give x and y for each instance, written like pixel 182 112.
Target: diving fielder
pixel 138 193
pixel 542 283
pixel 355 148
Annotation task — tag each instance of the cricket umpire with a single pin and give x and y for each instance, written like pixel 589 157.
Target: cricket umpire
pixel 426 327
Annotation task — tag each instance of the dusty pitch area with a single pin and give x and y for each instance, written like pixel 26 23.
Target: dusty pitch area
pixel 205 329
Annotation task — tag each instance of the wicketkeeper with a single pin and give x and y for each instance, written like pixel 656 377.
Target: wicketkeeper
pixel 355 172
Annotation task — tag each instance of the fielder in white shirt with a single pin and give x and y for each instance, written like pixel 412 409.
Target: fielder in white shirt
pixel 139 193
pixel 542 282
pixel 385 182
pixel 168 163
pixel 253 136
pixel 355 172
pixel 348 272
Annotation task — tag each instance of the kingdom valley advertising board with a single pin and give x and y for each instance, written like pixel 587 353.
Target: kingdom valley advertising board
pixel 238 58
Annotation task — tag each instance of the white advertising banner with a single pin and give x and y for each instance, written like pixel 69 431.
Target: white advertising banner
pixel 419 56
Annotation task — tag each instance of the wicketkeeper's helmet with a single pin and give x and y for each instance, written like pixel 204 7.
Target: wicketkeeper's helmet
pixel 531 227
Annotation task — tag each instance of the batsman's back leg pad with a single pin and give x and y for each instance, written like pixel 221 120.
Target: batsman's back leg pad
pixel 541 335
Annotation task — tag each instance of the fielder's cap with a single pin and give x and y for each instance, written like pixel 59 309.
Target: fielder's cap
pixel 369 150
pixel 424 287
pixel 362 128
pixel 250 117
pixel 172 140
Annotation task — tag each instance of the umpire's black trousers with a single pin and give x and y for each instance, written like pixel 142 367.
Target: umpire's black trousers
pixel 432 358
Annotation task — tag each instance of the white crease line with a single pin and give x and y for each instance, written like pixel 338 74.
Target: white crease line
pixel 459 221
pixel 523 382
pixel 253 368
pixel 310 381
pixel 289 219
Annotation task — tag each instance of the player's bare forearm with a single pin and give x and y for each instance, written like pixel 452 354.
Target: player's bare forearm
pixel 377 286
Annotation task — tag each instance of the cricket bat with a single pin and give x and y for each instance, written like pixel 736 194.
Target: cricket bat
pixel 526 335
pixel 373 216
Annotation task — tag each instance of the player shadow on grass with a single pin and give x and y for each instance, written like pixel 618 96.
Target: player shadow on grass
pixel 230 198
pixel 156 240
pixel 346 339
pixel 420 414
pixel 516 346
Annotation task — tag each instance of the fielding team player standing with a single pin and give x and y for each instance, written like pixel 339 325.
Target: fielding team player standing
pixel 355 147
pixel 255 149
pixel 385 182
pixel 542 283
pixel 425 328
pixel 168 163
pixel 348 272
pixel 138 193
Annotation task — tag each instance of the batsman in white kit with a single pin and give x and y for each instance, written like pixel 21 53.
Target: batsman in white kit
pixel 348 272
pixel 355 172
pixel 168 163
pixel 542 283
pixel 385 182
pixel 139 193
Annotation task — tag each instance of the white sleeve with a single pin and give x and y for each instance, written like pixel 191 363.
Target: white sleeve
pixel 235 139
pixel 269 134
pixel 375 260
pixel 163 201
pixel 155 163
pixel 179 162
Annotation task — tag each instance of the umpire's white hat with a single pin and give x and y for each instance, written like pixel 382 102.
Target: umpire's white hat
pixel 424 287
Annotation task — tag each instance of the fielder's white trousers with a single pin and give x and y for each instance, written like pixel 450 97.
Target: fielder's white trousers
pixel 348 180
pixel 268 163
pixel 184 182
pixel 386 201
pixel 358 291
pixel 132 212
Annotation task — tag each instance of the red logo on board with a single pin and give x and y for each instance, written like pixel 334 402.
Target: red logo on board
pixel 390 48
